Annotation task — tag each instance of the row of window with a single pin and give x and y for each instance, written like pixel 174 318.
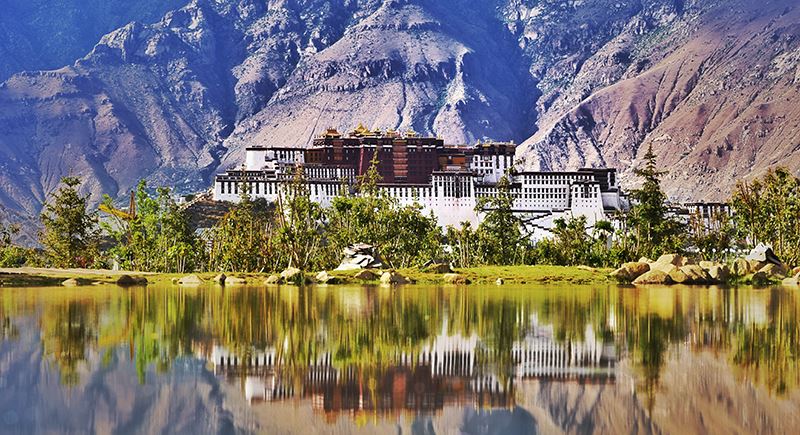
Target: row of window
pixel 554 179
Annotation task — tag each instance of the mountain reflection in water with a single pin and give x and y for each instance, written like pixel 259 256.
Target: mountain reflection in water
pixel 421 359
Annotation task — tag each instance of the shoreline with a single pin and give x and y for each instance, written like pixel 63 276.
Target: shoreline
pixel 539 274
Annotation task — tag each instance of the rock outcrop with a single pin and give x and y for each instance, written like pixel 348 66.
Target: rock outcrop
pixel 653 277
pixel 324 277
pixel 392 278
pixel 293 275
pixel 190 280
pixel 128 280
pixel 366 275
pixel 360 256
pixel 235 281
pixel 455 278
pixel 630 271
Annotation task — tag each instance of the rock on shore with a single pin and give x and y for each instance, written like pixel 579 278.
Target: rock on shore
pixel 760 267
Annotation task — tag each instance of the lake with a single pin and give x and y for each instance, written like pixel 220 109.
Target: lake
pixel 413 359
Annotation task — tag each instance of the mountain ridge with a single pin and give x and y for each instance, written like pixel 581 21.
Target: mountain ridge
pixel 576 83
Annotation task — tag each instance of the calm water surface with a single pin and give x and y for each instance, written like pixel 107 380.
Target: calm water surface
pixel 419 359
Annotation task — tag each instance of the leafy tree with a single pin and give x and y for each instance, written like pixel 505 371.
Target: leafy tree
pixel 768 211
pixel 501 240
pixel 602 235
pixel 12 255
pixel 244 239
pixel 299 224
pixel 403 235
pixel 155 236
pixel 71 234
pixel 654 231
pixel 713 240
pixel 463 244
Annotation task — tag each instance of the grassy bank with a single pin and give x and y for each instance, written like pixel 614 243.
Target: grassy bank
pixel 509 274
pixel 38 277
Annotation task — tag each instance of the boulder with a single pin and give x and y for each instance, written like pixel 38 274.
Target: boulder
pixel 678 276
pixel 630 271
pixel 360 256
pixel 272 280
pixel 392 277
pixel 326 278
pixel 707 264
pixel 793 281
pixel 500 281
pixel 293 275
pixel 673 259
pixel 455 278
pixel 439 268
pixel 71 282
pixel 719 273
pixel 763 254
pixel 367 275
pixel 645 260
pixel 653 277
pixel 740 267
pixel 637 269
pixel 756 265
pixel 760 278
pixel 696 274
pixel 667 268
pixel 235 280
pixel 774 271
pixel 127 280
pixel 219 279
pixel 190 280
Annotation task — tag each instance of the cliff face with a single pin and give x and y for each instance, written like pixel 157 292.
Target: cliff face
pixel 45 34
pixel 710 84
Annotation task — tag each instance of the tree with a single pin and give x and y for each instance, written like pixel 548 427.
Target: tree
pixel 712 239
pixel 244 239
pixel 501 240
pixel 768 211
pixel 403 235
pixel 463 244
pixel 299 224
pixel 654 232
pixel 154 235
pixel 71 234
pixel 12 255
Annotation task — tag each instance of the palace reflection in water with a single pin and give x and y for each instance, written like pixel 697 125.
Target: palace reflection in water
pixel 355 352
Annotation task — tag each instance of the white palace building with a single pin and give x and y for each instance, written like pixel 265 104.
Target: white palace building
pixel 445 180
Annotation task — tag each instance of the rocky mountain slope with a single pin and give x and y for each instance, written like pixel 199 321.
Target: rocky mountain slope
pixel 711 86
pixel 709 83
pixel 45 34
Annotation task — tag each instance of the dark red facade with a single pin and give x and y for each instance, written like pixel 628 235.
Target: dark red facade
pixel 402 159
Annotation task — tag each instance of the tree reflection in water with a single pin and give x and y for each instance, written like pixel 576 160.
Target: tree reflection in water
pixel 374 349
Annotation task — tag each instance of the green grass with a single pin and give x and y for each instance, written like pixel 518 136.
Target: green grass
pixel 509 274
pixel 476 275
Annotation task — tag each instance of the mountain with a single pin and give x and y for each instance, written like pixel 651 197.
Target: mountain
pixel 710 84
pixel 46 34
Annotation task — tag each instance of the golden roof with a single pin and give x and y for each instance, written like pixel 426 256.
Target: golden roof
pixel 360 130
pixel 331 132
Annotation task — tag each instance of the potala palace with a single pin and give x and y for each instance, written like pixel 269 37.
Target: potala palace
pixel 445 180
